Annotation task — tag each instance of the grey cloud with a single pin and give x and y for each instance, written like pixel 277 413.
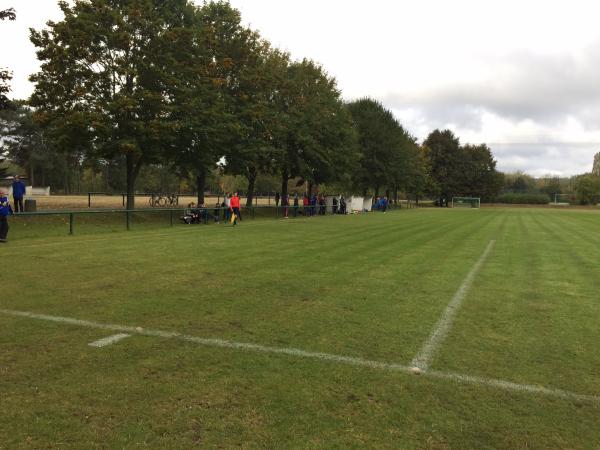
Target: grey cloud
pixel 543 88
pixel 542 159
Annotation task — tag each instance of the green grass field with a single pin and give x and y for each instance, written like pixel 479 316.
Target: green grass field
pixel 335 308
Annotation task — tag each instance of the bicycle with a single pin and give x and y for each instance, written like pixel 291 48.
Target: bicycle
pixel 172 199
pixel 160 200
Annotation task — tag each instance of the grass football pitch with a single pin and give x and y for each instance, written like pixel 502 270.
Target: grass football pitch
pixel 305 333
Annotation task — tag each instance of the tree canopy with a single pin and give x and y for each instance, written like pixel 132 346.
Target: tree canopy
pixel 457 170
pixel 130 87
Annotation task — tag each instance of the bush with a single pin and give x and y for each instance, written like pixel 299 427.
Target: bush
pixel 523 199
pixel 587 188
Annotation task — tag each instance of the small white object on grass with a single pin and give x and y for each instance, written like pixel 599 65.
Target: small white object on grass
pixel 415 370
pixel 139 329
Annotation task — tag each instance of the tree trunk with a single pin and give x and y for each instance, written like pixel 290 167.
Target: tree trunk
pixel 395 195
pixel 133 169
pixel 251 175
pixel 284 183
pixel 310 189
pixel 387 194
pixel 66 180
pixel 200 185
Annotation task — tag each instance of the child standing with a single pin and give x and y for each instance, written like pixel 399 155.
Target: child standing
pixel 5 211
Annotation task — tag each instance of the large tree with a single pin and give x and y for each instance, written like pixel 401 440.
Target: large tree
pixel 480 177
pixel 106 69
pixel 457 170
pixel 5 74
pixel 254 150
pixel 383 146
pixel 222 108
pixel 315 139
pixel 445 156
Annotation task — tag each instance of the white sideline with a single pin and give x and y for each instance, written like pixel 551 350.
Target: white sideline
pixel 423 358
pixel 348 360
pixel 109 340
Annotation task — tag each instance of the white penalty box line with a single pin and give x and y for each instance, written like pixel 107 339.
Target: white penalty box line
pixel 423 359
pixel 338 359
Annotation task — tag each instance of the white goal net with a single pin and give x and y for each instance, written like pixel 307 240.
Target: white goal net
pixel 465 202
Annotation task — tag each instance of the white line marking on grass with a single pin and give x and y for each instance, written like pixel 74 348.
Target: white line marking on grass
pixel 210 342
pixel 423 358
pixel 347 360
pixel 511 386
pixel 109 340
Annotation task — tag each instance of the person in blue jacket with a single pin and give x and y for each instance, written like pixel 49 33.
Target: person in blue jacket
pixel 5 211
pixel 383 204
pixel 18 192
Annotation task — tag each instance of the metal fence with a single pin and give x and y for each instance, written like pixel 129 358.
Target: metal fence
pixel 127 219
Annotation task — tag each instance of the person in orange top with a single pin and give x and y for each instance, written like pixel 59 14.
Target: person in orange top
pixel 234 205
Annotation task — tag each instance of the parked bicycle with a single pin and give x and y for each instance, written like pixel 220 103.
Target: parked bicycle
pixel 161 200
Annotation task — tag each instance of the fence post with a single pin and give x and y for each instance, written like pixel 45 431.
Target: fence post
pixel 128 220
pixel 253 213
pixel 89 200
pixel 123 195
pixel 71 222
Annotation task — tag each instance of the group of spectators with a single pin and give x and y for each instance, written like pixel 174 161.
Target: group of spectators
pixel 18 190
pixel 381 204
pixel 313 205
pixel 230 209
pixel 316 204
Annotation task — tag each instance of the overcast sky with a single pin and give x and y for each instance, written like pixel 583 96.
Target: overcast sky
pixel 522 76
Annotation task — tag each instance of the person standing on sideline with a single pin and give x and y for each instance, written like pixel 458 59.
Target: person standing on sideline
pixel 227 210
pixel 285 202
pixel 18 191
pixel 305 204
pixel 5 211
pixel 384 203
pixel 234 204
pixel 295 204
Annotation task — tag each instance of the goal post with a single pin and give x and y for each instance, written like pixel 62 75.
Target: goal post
pixel 565 199
pixel 466 202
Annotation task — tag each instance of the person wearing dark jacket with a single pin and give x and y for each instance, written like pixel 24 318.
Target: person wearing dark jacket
pixel 18 191
pixel 5 211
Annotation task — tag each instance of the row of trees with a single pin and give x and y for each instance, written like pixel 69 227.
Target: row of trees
pixel 5 77
pixel 129 85
pixel 582 189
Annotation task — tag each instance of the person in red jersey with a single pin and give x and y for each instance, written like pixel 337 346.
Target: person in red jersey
pixel 234 205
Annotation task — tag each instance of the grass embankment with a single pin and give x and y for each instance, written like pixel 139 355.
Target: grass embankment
pixel 367 286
